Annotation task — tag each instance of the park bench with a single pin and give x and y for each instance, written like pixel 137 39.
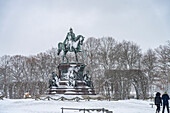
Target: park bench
pixel 103 110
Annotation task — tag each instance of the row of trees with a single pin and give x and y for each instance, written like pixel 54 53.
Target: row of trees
pixel 116 68
pixel 107 54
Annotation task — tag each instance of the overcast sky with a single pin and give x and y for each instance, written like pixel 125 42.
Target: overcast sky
pixel 28 27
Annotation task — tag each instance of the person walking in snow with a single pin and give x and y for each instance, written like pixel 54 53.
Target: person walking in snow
pixel 158 102
pixel 165 98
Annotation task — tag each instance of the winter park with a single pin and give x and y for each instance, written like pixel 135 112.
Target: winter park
pixel 84 56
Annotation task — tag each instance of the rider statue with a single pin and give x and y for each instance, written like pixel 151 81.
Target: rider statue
pixel 70 38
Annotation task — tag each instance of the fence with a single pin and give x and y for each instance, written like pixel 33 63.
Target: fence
pixel 103 110
pixel 69 99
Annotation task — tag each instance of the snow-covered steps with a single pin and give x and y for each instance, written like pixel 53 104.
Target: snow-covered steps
pixel 63 88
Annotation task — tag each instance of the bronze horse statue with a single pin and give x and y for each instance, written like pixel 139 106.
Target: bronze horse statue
pixel 71 46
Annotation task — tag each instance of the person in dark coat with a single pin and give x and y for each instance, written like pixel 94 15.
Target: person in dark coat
pixel 165 98
pixel 158 102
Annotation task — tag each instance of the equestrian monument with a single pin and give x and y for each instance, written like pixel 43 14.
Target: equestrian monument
pixel 71 79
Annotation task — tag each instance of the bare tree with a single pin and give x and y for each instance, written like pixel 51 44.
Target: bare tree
pixel 92 64
pixel 4 74
pixel 163 54
pixel 149 63
pixel 130 55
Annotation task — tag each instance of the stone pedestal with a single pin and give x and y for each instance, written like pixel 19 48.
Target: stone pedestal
pixel 71 80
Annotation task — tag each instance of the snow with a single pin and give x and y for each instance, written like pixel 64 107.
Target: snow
pixel 52 106
pixel 70 92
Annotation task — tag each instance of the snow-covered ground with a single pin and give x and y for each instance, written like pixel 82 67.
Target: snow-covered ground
pixel 40 106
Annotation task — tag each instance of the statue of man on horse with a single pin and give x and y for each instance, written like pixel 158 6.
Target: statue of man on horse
pixel 70 38
pixel 71 44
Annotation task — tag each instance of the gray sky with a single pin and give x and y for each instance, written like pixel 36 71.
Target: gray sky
pixel 28 27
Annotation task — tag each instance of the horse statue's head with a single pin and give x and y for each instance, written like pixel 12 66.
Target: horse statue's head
pixel 81 39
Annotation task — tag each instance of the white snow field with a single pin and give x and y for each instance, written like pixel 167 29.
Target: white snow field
pixel 52 106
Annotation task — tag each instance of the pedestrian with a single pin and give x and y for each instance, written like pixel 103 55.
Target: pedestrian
pixel 165 98
pixel 158 102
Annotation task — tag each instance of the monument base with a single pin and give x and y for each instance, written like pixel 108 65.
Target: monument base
pixel 71 80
